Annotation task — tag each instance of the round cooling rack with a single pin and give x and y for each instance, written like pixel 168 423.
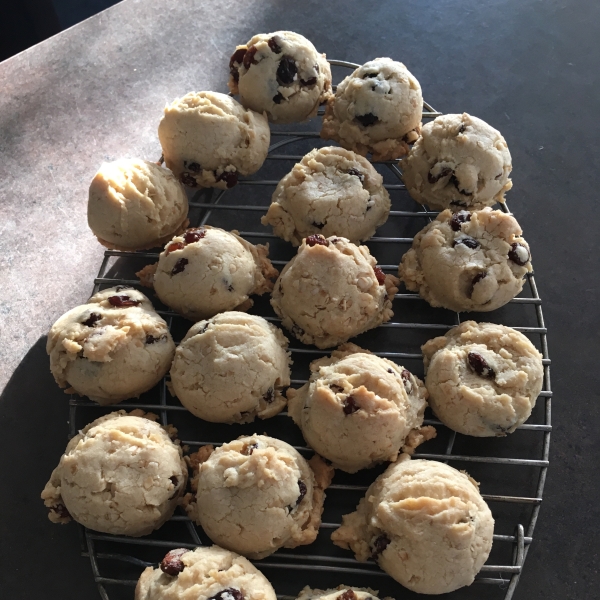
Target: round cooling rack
pixel 511 470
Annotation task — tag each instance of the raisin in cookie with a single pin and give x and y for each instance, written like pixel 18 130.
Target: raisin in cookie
pixel 358 409
pixel 112 348
pixel 121 474
pixel 425 524
pixel 468 261
pixel 483 379
pixel 210 573
pixel 208 139
pixel 280 74
pixel 232 368
pixel 208 270
pixel 136 204
pixel 331 291
pixel 342 592
pixel 458 162
pixel 377 109
pixel 331 191
pixel 257 494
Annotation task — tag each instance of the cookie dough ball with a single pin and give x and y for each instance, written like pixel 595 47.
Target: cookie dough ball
pixel 121 474
pixel 377 109
pixel 232 368
pixel 112 348
pixel 425 524
pixel 208 270
pixel 331 291
pixel 483 379
pixel 136 204
pixel 280 74
pixel 468 261
pixel 458 162
pixel 208 139
pixel 331 191
pixel 358 409
pixel 210 573
pixel 342 592
pixel 257 494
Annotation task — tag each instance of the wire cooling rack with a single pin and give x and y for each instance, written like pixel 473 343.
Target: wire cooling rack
pixel 511 470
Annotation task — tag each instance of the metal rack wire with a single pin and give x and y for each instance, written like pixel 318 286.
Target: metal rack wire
pixel 514 467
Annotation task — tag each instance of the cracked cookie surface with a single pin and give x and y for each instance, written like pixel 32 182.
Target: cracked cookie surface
pixel 424 523
pixel 121 474
pixel 468 261
pixel 483 379
pixel 377 108
pixel 331 191
pixel 232 368
pixel 458 162
pixel 112 348
pixel 342 592
pixel 280 74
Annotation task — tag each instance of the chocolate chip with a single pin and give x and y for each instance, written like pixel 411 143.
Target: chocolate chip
pixel 194 235
pixel 174 246
pixel 229 177
pixel 481 275
pixel 380 275
pixel 235 61
pixel 61 511
pixel 122 301
pixel 467 241
pixel 188 180
pixel 379 545
pixel 519 254
pixel 336 388
pixel 356 173
pixel 303 490
pixel 248 449
pixel 172 564
pixel 193 166
pixel 308 82
pixel 286 71
pixel 480 366
pixel 350 405
pixel 278 98
pixel 92 319
pixel 249 57
pixel 179 266
pixel 435 178
pixel 316 239
pixel 366 120
pixel 347 595
pixel 459 218
pixel 228 594
pixel 407 381
pixel 269 396
pixel 274 44
pixel 454 181
pixel 461 129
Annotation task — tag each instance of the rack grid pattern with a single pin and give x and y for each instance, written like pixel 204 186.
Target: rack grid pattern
pixel 115 558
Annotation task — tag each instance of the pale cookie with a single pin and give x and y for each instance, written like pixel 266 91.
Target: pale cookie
pixel 207 573
pixel 280 74
pixel 257 494
pixel 208 270
pixel 425 524
pixel 483 379
pixel 232 368
pixel 331 291
pixel 458 162
pixel 208 139
pixel 377 109
pixel 331 191
pixel 468 261
pixel 112 348
pixel 121 474
pixel 136 204
pixel 358 409
pixel 342 592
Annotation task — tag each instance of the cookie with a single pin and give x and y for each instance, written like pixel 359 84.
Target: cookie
pixel 208 270
pixel 112 348
pixel 232 368
pixel 210 573
pixel 458 162
pixel 342 592
pixel 483 379
pixel 424 523
pixel 331 191
pixel 468 261
pixel 208 139
pixel 378 109
pixel 121 474
pixel 135 205
pixel 280 74
pixel 331 291
pixel 357 409
pixel 257 494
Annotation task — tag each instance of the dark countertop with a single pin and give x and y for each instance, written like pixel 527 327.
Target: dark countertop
pixel 96 92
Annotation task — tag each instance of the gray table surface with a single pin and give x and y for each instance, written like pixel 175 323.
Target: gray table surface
pixel 96 92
